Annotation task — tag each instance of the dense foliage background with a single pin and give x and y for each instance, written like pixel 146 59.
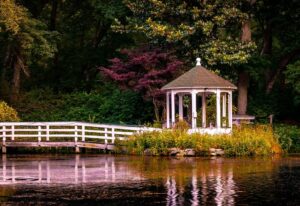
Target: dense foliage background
pixel 53 53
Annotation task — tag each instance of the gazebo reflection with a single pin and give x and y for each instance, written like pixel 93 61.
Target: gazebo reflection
pixel 215 184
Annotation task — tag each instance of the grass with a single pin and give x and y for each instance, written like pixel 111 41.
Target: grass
pixel 252 140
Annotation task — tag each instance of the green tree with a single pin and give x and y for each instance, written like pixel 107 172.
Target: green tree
pixel 26 41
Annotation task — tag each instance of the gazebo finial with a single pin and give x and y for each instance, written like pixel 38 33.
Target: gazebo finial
pixel 198 61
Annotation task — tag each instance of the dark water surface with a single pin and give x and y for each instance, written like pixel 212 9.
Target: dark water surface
pixel 126 180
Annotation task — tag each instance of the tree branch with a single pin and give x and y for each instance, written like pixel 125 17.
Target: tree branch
pixel 284 61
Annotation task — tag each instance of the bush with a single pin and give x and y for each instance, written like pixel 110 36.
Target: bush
pixel 288 137
pixel 105 106
pixel 7 113
pixel 245 141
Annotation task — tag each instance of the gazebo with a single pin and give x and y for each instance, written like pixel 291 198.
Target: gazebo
pixel 200 82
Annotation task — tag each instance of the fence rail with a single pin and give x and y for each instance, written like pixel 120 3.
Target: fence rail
pixel 61 131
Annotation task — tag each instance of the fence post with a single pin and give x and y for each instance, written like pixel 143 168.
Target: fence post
pixel 12 133
pixel 83 133
pixel 105 135
pixel 76 134
pixel 47 133
pixel 4 139
pixel 113 135
pixel 39 134
pixel 77 150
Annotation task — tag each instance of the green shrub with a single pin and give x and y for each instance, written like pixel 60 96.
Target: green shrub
pixel 109 105
pixel 245 141
pixel 7 113
pixel 288 137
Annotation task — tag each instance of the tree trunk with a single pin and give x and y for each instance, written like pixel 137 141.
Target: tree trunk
pixel 267 40
pixel 243 81
pixel 246 32
pixel 15 89
pixel 156 110
pixel 243 76
pixel 52 25
pixel 284 61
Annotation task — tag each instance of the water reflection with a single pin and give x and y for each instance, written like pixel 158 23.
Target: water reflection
pixel 75 171
pixel 190 181
pixel 223 185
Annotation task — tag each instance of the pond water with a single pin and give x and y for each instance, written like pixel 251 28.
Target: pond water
pixel 129 180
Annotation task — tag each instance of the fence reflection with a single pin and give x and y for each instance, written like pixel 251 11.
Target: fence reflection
pixel 79 170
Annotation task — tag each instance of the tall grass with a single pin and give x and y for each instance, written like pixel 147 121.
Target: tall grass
pixel 245 141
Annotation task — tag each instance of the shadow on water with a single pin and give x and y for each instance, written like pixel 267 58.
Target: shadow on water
pixel 129 180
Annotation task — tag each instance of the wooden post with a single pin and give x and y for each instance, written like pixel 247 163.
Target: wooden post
pixel 4 140
pixel 105 135
pixel 230 109
pixel 83 133
pixel 47 133
pixel 180 104
pixel 113 135
pixel 173 108
pixel 204 110
pixel 77 150
pixel 194 109
pixel 12 133
pixel 76 134
pixel 218 115
pixel 168 109
pixel 39 134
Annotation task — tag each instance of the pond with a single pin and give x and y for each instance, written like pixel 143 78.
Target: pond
pixel 130 180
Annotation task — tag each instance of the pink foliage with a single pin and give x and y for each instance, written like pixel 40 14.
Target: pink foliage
pixel 143 70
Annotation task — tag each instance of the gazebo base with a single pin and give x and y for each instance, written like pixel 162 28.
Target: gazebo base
pixel 211 131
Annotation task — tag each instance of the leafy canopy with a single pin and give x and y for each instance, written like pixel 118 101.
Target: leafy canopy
pixel 209 29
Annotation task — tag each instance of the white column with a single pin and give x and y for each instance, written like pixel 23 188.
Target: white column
pixel 180 107
pixel 230 109
pixel 168 109
pixel 173 107
pixel 194 109
pixel 203 109
pixel 218 105
pixel 224 105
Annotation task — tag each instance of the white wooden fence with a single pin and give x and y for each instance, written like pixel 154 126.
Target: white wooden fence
pixel 78 131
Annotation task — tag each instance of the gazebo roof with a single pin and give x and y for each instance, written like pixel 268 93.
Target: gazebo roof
pixel 199 78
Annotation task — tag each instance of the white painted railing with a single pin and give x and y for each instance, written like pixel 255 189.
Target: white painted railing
pixel 79 131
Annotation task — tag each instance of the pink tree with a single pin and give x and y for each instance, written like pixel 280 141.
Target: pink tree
pixel 145 71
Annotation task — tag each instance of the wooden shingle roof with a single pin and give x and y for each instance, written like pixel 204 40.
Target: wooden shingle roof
pixel 199 78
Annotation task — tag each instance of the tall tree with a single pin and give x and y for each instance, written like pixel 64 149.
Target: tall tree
pixel 26 40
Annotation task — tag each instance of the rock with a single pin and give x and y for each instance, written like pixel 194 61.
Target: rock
pixel 213 154
pixel 174 151
pixel 181 153
pixel 220 152
pixel 147 152
pixel 189 152
pixel 212 150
